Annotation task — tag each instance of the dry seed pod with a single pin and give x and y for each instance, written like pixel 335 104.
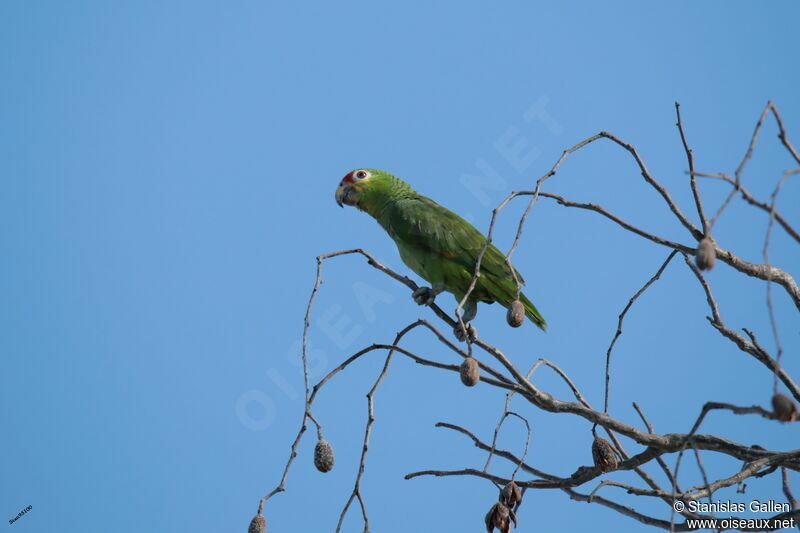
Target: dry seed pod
pixel 257 524
pixel 470 374
pixel 489 520
pixel 323 456
pixel 603 455
pixel 706 255
pixel 516 314
pixel 500 517
pixel 511 495
pixel 784 408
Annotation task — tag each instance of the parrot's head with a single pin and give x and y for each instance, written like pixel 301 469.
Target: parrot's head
pixel 359 185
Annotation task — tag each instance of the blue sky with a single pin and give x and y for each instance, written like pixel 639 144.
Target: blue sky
pixel 168 172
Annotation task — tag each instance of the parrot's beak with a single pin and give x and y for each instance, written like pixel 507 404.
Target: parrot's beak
pixel 346 195
pixel 340 195
pixel 347 192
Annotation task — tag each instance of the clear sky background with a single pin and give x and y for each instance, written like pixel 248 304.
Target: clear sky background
pixel 168 171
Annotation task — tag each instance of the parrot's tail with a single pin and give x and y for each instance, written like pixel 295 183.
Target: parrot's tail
pixel 532 313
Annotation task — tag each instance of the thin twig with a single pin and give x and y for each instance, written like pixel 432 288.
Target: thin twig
pixel 690 159
pixel 765 253
pixel 750 199
pixel 751 347
pixel 641 291
pixel 367 433
pixel 702 472
pixel 659 459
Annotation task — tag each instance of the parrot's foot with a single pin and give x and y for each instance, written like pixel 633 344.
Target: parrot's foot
pixel 471 333
pixel 424 296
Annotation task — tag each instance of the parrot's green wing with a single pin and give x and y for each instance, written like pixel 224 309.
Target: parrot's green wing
pixel 426 225
pixel 443 247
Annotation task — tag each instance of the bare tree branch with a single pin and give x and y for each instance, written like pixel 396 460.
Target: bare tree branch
pixel 651 447
pixel 690 160
pixel 652 280
pixel 750 199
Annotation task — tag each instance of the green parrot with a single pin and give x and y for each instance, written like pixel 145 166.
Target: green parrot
pixel 440 246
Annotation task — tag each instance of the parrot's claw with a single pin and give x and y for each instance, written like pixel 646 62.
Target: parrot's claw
pixel 472 333
pixel 424 296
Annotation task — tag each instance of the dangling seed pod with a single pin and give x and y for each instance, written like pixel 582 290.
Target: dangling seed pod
pixel 603 455
pixel 511 495
pixel 500 517
pixel 258 524
pixel 323 456
pixel 516 314
pixel 470 373
pixel 784 408
pixel 706 255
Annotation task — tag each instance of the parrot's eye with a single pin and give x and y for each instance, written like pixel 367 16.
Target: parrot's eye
pixel 361 174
